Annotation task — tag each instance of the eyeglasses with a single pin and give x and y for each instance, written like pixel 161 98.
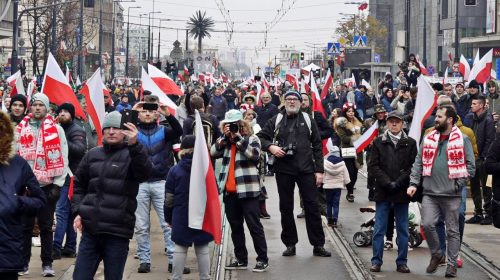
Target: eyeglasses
pixel 292 99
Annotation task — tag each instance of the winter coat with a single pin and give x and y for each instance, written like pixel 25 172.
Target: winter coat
pixel 387 103
pixel 336 173
pixel 177 206
pixel 308 155
pixel 484 129
pixel 106 185
pixel 157 139
pixel 122 106
pixel 392 163
pixel 325 130
pixel 20 194
pixel 246 174
pixel 77 144
pixel 217 106
pixel 492 166
pixel 266 112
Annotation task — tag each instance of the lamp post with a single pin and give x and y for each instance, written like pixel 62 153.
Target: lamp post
pixel 150 49
pixel 128 40
pixel 159 32
pixel 140 43
pixel 113 38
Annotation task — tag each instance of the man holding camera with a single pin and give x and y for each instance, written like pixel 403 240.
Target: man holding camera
pixel 289 137
pixel 157 139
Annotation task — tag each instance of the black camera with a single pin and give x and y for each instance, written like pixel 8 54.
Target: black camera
pixel 233 127
pixel 289 150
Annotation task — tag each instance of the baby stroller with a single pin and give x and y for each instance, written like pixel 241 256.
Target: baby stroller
pixel 363 238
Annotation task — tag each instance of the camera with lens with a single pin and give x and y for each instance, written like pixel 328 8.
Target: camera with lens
pixel 289 150
pixel 233 127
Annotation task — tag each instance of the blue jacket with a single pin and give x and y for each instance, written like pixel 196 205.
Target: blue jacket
pixel 120 107
pixel 16 180
pixel 177 206
pixel 157 139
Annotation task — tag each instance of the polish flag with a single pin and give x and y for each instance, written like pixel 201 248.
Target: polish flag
pixel 223 77
pixel 351 82
pixel 260 90
pixel 426 102
pixel 292 80
pixel 266 84
pixel 149 84
pixel 56 87
pixel 186 71
pixel 179 77
pixel 445 76
pixel 362 142
pixel 328 84
pixel 464 67
pixel 423 69
pixel 93 92
pixel 164 82
pixel 201 78
pixel 204 206
pixel 16 83
pixel 481 71
pixel 316 99
pixel 31 89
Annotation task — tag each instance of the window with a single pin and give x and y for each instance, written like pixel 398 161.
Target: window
pixel 444 9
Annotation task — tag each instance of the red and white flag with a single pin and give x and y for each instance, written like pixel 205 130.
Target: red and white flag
pixel 464 67
pixel 201 78
pixel 476 59
pixel 259 92
pixel 424 105
pixel 93 92
pixel 56 87
pixel 149 84
pixel 179 77
pixel 68 75
pixel 186 71
pixel 223 77
pixel 362 142
pixel 423 69
pixel 481 71
pixel 328 84
pixel 164 82
pixel 292 80
pixel 31 89
pixel 316 99
pixel 266 84
pixel 204 206
pixel 16 83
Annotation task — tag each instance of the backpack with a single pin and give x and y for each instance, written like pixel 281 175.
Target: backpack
pixel 208 128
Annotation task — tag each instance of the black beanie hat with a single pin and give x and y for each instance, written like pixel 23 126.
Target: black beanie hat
pixel 19 97
pixel 188 142
pixel 68 107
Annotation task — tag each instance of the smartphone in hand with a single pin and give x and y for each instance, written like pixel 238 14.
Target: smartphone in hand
pixel 129 116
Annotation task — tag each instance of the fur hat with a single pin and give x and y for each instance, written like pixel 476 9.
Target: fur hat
pixel 7 150
pixel 42 98
pixel 68 107
pixel 21 98
pixel 113 119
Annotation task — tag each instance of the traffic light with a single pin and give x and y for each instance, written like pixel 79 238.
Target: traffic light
pixel 470 2
pixel 88 3
pixel 301 56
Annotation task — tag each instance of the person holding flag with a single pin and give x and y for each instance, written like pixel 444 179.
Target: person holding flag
pixel 239 180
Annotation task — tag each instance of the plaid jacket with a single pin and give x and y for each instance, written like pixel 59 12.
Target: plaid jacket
pixel 245 169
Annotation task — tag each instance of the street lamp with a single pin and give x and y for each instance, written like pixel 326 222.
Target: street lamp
pixel 127 45
pixel 140 42
pixel 150 49
pixel 159 30
pixel 113 39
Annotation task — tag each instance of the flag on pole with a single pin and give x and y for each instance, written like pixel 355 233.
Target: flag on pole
pixel 31 89
pixel 476 59
pixel 328 84
pixel 149 84
pixel 56 87
pixel 424 105
pixel 266 84
pixel 292 80
pixel 93 92
pixel 445 76
pixel 204 206
pixel 464 67
pixel 362 142
pixel 186 71
pixel 164 82
pixel 68 75
pixel 180 78
pixel 316 99
pixel 481 71
pixel 16 83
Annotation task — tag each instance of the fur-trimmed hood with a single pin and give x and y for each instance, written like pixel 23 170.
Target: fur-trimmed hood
pixel 7 149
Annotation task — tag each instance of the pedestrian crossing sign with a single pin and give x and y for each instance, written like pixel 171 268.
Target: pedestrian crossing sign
pixel 360 41
pixel 333 48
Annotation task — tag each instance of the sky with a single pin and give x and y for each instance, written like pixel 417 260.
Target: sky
pixel 303 24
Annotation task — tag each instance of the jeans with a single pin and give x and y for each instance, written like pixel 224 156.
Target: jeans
pixel 381 217
pixel 64 225
pixel 440 229
pixel 151 194
pixel 238 211
pixel 447 208
pixel 45 219
pixel 202 257
pixel 332 203
pixel 93 249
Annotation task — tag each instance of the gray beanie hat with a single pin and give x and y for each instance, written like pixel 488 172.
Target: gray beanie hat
pixel 113 119
pixel 42 98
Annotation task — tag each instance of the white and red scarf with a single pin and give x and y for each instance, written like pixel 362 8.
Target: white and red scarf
pixel 455 152
pixel 44 148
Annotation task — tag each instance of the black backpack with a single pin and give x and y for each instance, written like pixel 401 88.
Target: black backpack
pixel 208 128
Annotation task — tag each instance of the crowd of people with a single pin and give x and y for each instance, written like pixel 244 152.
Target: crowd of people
pixel 55 170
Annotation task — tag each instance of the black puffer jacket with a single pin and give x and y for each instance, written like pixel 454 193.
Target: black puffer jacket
pixel 77 144
pixel 484 129
pixel 389 163
pixel 492 165
pixel 106 186
pixel 308 155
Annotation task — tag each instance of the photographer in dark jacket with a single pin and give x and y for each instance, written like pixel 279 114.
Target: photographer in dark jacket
pixel 391 159
pixel 104 202
pixel 77 147
pixel 290 141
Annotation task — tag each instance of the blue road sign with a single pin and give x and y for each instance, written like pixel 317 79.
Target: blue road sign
pixel 376 58
pixel 333 48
